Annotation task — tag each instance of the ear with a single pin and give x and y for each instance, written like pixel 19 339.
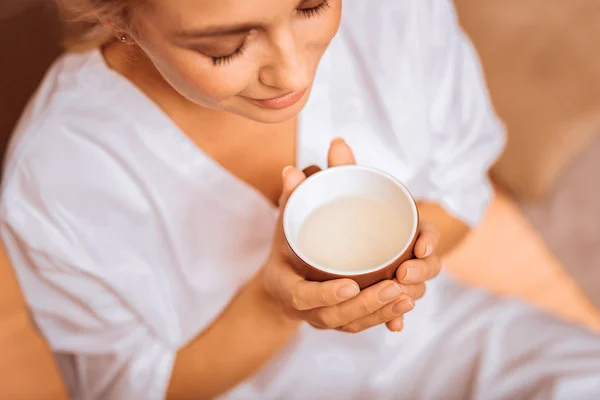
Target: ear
pixel 116 25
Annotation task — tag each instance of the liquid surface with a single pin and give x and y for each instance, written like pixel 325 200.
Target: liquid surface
pixel 353 233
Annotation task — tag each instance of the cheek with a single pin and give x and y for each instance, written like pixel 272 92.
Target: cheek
pixel 320 33
pixel 326 29
pixel 198 79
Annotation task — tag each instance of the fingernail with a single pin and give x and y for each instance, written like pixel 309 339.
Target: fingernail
pixel 348 291
pixel 412 274
pixel 339 140
pixel 428 250
pixel 403 307
pixel 389 293
pixel 286 170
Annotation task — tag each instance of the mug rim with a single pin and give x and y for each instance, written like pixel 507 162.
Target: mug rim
pixel 342 273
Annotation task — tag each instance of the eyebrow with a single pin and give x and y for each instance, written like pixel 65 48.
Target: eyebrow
pixel 215 31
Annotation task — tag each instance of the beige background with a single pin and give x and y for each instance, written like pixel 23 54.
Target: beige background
pixel 542 62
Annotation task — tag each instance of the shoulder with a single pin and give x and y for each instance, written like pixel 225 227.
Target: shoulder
pixel 399 35
pixel 64 177
pixel 68 137
pixel 397 43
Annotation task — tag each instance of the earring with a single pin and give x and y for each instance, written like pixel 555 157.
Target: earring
pixel 123 38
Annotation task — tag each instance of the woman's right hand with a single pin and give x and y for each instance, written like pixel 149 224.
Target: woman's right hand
pixel 336 304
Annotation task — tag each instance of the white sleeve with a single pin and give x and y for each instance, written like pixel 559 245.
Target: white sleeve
pixel 66 228
pixel 467 137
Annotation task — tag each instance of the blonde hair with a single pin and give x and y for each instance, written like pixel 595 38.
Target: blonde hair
pixel 84 27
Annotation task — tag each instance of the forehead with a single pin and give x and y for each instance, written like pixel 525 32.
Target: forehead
pixel 201 13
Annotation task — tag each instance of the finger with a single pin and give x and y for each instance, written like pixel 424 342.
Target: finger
pixel 382 316
pixel 417 291
pixel 292 177
pixel 367 302
pixel 308 295
pixel 396 325
pixel 340 153
pixel 428 240
pixel 419 271
pixel 294 292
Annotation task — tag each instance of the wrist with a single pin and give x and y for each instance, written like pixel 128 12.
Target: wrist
pixel 270 303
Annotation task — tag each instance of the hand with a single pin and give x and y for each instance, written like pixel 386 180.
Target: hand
pixel 414 273
pixel 337 304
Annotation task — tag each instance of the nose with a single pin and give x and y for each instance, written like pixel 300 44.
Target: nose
pixel 288 64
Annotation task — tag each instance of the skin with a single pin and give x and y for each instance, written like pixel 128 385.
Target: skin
pixel 28 369
pixel 169 57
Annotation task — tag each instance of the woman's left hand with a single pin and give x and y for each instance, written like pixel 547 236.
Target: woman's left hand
pixel 414 273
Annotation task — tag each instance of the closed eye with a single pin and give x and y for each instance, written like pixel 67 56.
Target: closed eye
pixel 308 12
pixel 314 11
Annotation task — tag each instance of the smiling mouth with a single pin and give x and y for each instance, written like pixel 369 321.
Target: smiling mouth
pixel 279 103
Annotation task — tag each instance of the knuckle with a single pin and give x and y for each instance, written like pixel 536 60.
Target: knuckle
pixel 429 230
pixel 269 283
pixel 323 297
pixel 370 304
pixel 420 291
pixel 426 227
pixel 364 307
pixel 316 326
pixel 351 328
pixel 426 270
pixel 435 267
pixel 325 319
pixel 386 315
pixel 296 304
pixel 430 227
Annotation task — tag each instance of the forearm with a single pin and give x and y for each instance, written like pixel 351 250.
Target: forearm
pixel 28 367
pixel 452 230
pixel 248 333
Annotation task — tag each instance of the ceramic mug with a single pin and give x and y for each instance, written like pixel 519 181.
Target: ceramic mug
pixel 322 187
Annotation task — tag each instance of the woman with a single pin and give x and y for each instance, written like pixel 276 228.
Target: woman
pixel 141 192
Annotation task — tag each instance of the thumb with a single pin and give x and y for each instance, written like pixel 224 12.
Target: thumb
pixel 340 153
pixel 292 177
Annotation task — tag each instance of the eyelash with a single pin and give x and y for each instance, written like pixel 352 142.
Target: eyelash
pixel 315 11
pixel 307 13
pixel 224 60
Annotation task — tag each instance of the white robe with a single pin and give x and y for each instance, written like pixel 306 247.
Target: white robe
pixel 129 241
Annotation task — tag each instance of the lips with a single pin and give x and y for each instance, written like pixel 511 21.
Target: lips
pixel 279 103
